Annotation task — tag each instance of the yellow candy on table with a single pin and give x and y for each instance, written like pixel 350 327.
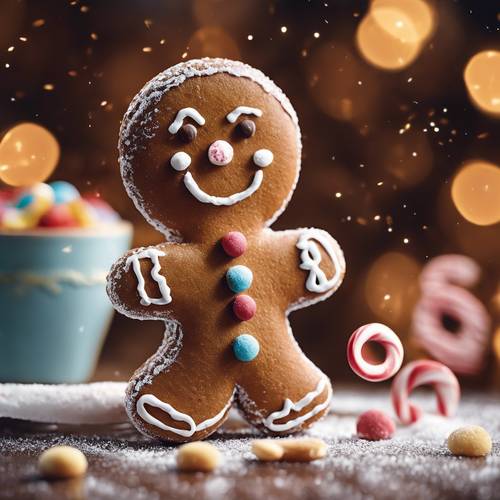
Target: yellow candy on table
pixel 81 213
pixel 62 462
pixel 198 456
pixel 470 441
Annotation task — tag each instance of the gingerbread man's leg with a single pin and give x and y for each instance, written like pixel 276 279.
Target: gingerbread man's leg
pixel 281 391
pixel 178 394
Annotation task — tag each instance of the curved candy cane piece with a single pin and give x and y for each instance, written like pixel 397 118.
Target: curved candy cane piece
pixel 424 372
pixel 375 332
pixel 310 257
pixel 152 254
pixel 443 295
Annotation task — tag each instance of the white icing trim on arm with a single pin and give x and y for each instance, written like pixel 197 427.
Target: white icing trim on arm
pixel 152 400
pixel 152 254
pixel 242 110
pixel 310 257
pixel 200 195
pixel 289 406
pixel 179 119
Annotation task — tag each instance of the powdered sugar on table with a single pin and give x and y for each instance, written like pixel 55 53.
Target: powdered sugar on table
pixel 414 464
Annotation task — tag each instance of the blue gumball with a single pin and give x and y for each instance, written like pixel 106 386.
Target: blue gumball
pixel 64 192
pixel 245 347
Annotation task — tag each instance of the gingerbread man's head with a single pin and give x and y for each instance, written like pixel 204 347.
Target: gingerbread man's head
pixel 210 145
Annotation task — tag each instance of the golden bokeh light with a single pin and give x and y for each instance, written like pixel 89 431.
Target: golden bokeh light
pixel 383 50
pixel 418 12
pixel 407 158
pixel 475 191
pixel 496 343
pixel 340 84
pixel 482 79
pixel 212 41
pixel 391 286
pixel 392 33
pixel 28 154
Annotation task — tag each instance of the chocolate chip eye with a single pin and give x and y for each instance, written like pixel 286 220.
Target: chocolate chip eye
pixel 187 133
pixel 247 128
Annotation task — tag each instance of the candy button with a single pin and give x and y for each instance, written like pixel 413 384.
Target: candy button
pixel 239 278
pixel 245 347
pixel 234 243
pixel 244 307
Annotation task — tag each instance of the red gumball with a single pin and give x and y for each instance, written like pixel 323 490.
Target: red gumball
pixel 375 425
pixel 244 307
pixel 234 243
pixel 58 216
pixel 97 202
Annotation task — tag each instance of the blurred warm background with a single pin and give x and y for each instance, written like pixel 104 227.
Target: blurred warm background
pixel 399 106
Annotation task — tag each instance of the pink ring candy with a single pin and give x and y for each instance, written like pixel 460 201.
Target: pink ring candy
pixel 375 332
pixel 442 281
pixel 424 372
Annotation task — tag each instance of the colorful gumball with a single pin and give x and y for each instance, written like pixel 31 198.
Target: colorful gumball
pixel 82 213
pixel 13 218
pixel 444 298
pixel 424 372
pixel 58 216
pixel 101 210
pixel 31 204
pixel 375 332
pixel 64 192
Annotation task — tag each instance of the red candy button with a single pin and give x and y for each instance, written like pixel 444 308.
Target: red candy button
pixel 244 307
pixel 234 243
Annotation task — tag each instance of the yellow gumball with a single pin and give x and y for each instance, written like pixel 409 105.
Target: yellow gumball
pixel 28 154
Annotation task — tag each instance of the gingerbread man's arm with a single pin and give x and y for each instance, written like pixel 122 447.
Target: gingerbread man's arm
pixel 314 265
pixel 137 283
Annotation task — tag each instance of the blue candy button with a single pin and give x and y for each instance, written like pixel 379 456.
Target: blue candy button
pixel 245 347
pixel 239 278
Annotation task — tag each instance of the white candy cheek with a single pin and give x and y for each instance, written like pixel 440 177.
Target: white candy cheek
pixel 263 157
pixel 180 161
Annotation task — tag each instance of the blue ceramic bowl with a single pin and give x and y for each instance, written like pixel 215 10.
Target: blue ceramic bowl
pixel 54 312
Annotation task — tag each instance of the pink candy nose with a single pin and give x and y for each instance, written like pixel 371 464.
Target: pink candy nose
pixel 220 153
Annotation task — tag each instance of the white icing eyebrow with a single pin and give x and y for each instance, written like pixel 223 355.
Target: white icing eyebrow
pixel 179 119
pixel 242 110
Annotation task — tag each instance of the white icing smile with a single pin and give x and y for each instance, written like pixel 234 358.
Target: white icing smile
pixel 204 197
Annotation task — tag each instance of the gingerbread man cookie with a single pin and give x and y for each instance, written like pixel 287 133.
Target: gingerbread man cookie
pixel 210 154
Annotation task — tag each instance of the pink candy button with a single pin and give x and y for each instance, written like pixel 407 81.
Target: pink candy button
pixel 234 243
pixel 244 307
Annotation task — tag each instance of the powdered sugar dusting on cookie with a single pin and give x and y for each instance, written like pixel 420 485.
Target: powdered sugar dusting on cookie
pixel 142 111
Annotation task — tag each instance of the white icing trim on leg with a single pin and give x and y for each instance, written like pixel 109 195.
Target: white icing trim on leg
pixel 289 406
pixel 310 257
pixel 152 254
pixel 152 400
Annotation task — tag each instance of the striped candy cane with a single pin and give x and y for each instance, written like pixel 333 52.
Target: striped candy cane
pixel 375 332
pixel 424 372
